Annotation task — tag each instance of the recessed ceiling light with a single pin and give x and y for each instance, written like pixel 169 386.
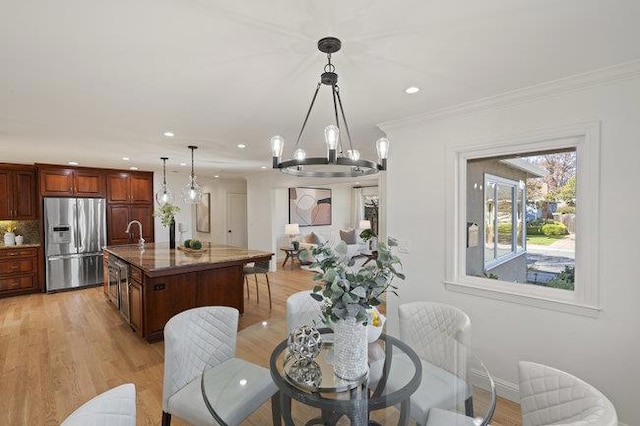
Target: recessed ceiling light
pixel 183 164
pixel 242 146
pixel 169 134
pixel 216 176
pixel 263 167
pixel 73 163
pixel 411 90
pixel 133 168
pixel 126 158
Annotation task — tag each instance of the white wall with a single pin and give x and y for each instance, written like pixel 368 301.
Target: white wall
pixel 603 351
pixel 219 189
pixel 268 209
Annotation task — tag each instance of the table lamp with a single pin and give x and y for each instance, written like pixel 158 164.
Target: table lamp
pixel 364 224
pixel 291 229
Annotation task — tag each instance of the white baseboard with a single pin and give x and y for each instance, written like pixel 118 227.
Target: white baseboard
pixel 504 389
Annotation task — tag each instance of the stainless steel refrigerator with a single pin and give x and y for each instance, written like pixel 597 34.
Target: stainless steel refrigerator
pixel 74 234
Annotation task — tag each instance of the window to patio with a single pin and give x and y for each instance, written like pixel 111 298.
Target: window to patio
pixel 519 207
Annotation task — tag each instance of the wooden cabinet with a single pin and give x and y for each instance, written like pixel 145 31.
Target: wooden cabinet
pixel 167 296
pixel 71 182
pixel 19 271
pixel 119 216
pixel 135 299
pixel 130 188
pixel 18 192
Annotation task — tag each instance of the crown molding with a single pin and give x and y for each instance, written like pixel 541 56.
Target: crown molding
pixel 602 76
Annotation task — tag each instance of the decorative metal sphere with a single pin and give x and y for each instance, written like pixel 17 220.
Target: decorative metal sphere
pixel 305 342
pixel 306 372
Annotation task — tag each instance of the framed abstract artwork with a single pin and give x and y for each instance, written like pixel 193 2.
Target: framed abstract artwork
pixel 203 217
pixel 310 206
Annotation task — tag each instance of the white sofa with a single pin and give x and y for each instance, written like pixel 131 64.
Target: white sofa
pixel 313 239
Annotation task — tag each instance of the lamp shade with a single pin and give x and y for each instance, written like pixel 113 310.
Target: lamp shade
pixel 365 224
pixel 291 229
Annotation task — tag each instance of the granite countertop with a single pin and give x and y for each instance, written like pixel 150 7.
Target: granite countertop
pixel 18 246
pixel 158 257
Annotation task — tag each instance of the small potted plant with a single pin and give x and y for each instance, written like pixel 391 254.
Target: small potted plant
pixel 166 212
pixel 369 236
pixel 348 297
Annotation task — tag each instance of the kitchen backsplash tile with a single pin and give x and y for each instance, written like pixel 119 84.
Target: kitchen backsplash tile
pixel 29 229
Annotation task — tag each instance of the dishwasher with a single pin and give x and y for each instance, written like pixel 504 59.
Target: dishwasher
pixel 118 286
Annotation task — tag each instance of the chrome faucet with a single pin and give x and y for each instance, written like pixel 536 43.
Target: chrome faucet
pixel 141 241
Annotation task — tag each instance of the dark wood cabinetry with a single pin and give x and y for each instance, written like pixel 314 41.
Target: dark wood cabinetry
pixel 130 188
pixel 119 215
pixel 129 197
pixel 59 181
pixel 167 296
pixel 135 298
pixel 19 272
pixel 18 192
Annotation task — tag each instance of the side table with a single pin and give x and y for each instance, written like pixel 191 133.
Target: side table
pixel 370 255
pixel 291 254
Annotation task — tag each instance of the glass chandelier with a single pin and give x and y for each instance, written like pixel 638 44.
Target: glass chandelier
pixel 164 195
pixel 192 193
pixel 336 163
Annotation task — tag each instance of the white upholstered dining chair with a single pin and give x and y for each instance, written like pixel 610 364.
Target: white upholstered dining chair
pixel 205 339
pixel 551 396
pixel 302 309
pixel 115 407
pixel 440 334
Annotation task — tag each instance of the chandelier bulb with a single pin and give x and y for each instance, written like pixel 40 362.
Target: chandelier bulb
pixel 299 154
pixel 353 154
pixel 277 144
pixel 331 136
pixel 382 146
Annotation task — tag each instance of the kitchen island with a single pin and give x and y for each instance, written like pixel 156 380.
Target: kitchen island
pixel 150 286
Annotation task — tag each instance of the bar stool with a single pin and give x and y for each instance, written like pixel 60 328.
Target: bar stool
pixel 259 267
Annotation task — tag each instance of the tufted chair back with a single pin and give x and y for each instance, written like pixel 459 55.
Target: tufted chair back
pixel 438 333
pixel 550 396
pixel 302 309
pixel 116 407
pixel 195 339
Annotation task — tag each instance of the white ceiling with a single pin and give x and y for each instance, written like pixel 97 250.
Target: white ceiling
pixel 93 81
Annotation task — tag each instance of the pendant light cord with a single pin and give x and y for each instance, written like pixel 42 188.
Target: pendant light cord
pixel 164 172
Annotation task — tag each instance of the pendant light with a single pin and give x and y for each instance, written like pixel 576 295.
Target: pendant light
pixel 192 193
pixel 164 195
pixel 342 160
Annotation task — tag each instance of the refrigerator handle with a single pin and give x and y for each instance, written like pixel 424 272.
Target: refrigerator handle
pixel 75 224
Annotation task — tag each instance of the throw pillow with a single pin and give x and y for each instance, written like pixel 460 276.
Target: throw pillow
pixel 315 239
pixel 308 238
pixel 348 237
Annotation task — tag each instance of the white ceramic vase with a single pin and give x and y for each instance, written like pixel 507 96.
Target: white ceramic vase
pixel 349 349
pixel 9 239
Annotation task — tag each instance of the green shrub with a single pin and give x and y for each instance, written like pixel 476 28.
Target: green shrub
pixel 566 210
pixel 554 228
pixel 195 244
pixel 535 227
pixel 504 228
pixel 565 279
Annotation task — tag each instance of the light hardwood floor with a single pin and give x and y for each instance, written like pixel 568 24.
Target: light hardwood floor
pixel 59 350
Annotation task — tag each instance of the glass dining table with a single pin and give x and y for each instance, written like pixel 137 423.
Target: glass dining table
pixel 447 375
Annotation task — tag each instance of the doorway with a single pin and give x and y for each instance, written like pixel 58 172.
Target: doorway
pixel 237 220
